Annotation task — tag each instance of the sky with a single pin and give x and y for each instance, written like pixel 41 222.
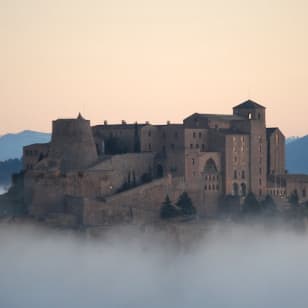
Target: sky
pixel 154 60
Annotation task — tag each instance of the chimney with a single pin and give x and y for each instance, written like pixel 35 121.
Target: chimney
pixel 168 122
pixel 105 122
pixel 123 122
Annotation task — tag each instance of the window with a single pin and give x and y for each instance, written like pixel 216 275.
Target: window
pixel 217 187
pixel 243 174
pixel 197 146
pixel 203 147
pixel 191 146
pixel 205 187
pixel 235 174
pixel 249 116
pixel 260 181
pixel 193 161
pixel 200 134
pixel 150 147
pixel 304 193
pixel 149 133
pixel 194 134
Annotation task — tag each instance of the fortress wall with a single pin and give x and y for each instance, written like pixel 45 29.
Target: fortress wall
pixel 45 191
pixel 136 205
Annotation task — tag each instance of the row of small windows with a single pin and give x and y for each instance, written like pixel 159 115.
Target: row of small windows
pixel 241 175
pixel 276 192
pixel 212 177
pixel 212 187
pixel 197 146
pixel 195 135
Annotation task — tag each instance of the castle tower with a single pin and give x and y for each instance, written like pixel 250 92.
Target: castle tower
pixel 255 127
pixel 72 144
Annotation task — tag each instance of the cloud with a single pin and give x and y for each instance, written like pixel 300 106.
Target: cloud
pixel 230 266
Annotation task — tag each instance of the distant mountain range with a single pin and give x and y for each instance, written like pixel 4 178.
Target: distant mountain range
pixel 297 155
pixel 11 144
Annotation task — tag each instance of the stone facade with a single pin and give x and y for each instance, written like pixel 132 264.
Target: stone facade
pixel 123 172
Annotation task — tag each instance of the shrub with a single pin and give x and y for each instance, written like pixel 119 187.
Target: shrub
pixel 167 210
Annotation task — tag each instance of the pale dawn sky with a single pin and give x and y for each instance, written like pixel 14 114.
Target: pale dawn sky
pixel 151 60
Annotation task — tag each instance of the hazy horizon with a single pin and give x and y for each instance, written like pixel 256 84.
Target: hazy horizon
pixel 230 266
pixel 151 60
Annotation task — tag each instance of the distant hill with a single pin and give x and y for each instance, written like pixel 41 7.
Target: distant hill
pixel 297 155
pixel 292 139
pixel 11 144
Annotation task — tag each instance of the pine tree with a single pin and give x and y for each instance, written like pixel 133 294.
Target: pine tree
pixel 185 204
pixel 167 210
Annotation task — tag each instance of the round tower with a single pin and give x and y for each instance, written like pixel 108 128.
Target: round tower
pixel 72 144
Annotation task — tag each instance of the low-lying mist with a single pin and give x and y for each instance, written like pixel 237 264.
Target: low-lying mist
pixel 232 266
pixel 3 190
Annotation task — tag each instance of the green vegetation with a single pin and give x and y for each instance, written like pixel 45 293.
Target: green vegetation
pixel 251 205
pixel 185 204
pixel 168 210
pixel 293 199
pixel 183 207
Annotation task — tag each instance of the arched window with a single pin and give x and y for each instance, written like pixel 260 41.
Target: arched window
pixel 210 167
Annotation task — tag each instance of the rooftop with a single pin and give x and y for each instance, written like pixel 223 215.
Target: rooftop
pixel 249 104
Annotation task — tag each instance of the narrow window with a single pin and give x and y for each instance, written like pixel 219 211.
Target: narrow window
pixel 235 174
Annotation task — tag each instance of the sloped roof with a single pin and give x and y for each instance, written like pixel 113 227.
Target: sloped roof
pixel 226 117
pixel 249 104
pixel 270 130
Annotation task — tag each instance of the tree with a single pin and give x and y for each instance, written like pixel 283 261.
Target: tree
pixel 293 199
pixel 268 205
pixel 185 204
pixel 251 204
pixel 167 210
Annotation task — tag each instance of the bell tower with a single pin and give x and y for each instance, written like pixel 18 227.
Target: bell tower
pixel 255 127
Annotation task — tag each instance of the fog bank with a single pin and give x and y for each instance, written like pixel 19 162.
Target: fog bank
pixel 3 190
pixel 231 267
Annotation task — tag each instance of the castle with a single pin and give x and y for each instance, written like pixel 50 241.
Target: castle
pixel 121 173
